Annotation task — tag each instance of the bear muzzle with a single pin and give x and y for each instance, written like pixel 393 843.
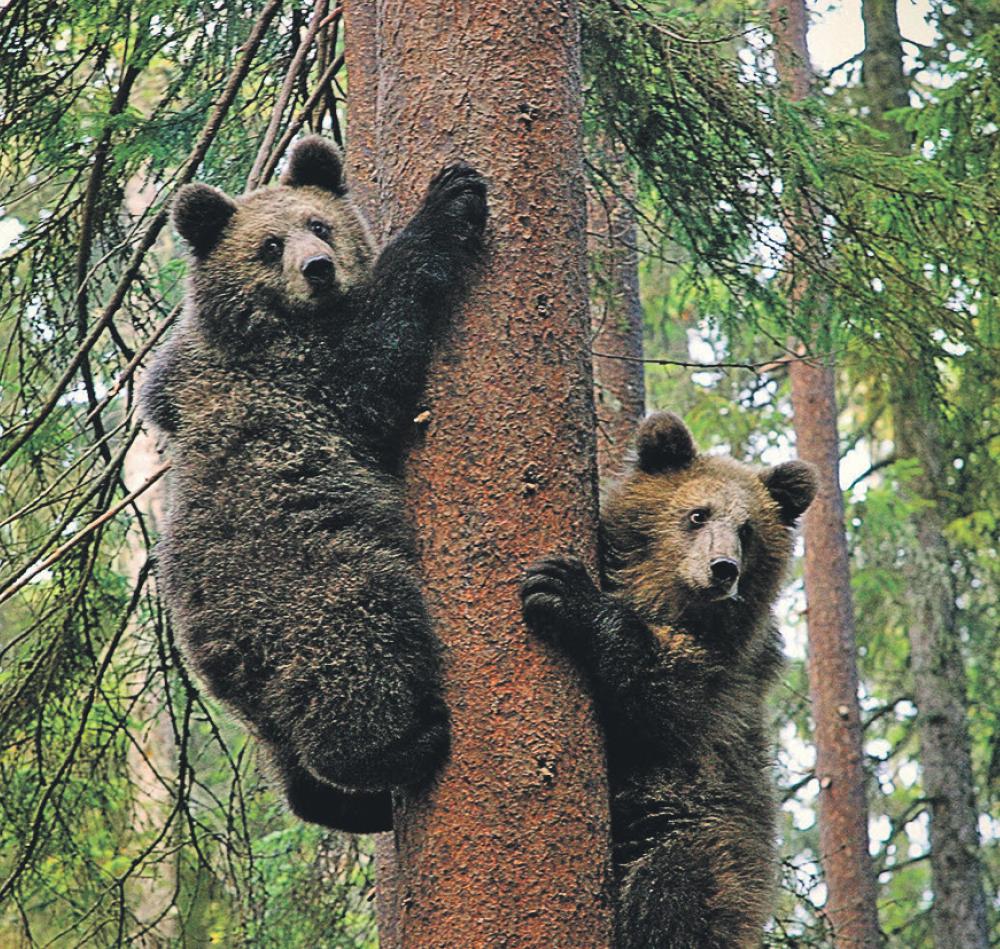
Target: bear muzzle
pixel 319 271
pixel 725 577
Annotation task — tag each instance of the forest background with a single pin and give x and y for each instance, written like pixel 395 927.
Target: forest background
pixel 743 228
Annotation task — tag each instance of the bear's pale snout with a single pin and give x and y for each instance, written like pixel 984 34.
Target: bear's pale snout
pixel 713 561
pixel 725 575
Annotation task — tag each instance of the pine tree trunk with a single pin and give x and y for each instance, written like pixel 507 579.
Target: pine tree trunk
pixel 361 61
pixel 511 846
pixel 833 677
pixel 615 312
pixel 882 69
pixel 958 913
pixel 851 905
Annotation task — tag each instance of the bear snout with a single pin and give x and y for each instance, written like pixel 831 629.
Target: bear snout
pixel 725 574
pixel 318 271
pixel 725 571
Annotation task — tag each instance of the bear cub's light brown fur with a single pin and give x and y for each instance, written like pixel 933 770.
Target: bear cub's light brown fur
pixel 680 647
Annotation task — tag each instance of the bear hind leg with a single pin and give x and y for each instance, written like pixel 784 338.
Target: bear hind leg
pixel 673 898
pixel 393 755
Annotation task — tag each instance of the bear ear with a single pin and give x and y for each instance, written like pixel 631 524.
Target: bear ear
pixel 793 486
pixel 314 161
pixel 200 214
pixel 664 444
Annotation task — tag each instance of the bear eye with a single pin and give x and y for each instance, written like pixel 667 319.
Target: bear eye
pixel 321 230
pixel 271 249
pixel 745 532
pixel 698 516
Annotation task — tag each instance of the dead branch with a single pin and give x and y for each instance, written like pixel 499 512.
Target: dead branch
pixel 254 179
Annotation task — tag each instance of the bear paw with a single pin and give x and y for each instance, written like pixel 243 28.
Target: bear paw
pixel 558 599
pixel 456 197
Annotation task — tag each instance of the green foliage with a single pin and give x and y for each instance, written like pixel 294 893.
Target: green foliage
pixel 131 809
pixel 902 288
pixel 728 167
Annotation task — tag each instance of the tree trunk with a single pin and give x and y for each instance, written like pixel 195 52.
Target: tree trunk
pixel 152 759
pixel 511 845
pixel 851 905
pixel 361 61
pixel 615 312
pixel 882 70
pixel 958 914
pixel 959 911
pixel 833 677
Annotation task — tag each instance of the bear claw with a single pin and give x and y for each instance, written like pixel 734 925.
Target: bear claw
pixel 460 192
pixel 555 595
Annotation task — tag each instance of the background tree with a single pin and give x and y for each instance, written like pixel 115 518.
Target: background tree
pixel 833 675
pixel 615 307
pixel 921 432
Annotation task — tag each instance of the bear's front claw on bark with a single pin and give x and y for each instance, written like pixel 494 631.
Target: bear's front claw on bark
pixel 459 193
pixel 556 596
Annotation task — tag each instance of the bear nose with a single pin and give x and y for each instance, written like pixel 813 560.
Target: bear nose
pixel 318 270
pixel 724 570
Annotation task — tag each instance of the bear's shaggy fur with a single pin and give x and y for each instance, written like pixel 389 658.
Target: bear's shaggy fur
pixel 286 395
pixel 680 647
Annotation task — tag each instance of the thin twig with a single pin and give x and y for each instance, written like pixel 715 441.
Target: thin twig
pixel 770 366
pixel 88 224
pixel 299 120
pixel 877 466
pixel 653 24
pixel 84 533
pixel 129 370
pixel 254 179
pixel 185 174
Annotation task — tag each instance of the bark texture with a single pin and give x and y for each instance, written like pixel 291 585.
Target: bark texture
pixel 615 313
pixel 361 61
pixel 882 69
pixel 511 847
pixel 851 905
pixel 958 914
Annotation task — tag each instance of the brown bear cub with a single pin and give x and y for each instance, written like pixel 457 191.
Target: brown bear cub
pixel 286 395
pixel 680 647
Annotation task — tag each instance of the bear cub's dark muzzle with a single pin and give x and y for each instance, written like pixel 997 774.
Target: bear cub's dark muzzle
pixel 318 271
pixel 725 571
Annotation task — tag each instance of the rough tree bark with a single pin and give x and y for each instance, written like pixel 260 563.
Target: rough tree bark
pixel 511 846
pixel 361 61
pixel 958 914
pixel 615 312
pixel 851 905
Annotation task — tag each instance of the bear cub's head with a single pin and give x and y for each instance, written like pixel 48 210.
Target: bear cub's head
pixel 279 254
pixel 690 537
